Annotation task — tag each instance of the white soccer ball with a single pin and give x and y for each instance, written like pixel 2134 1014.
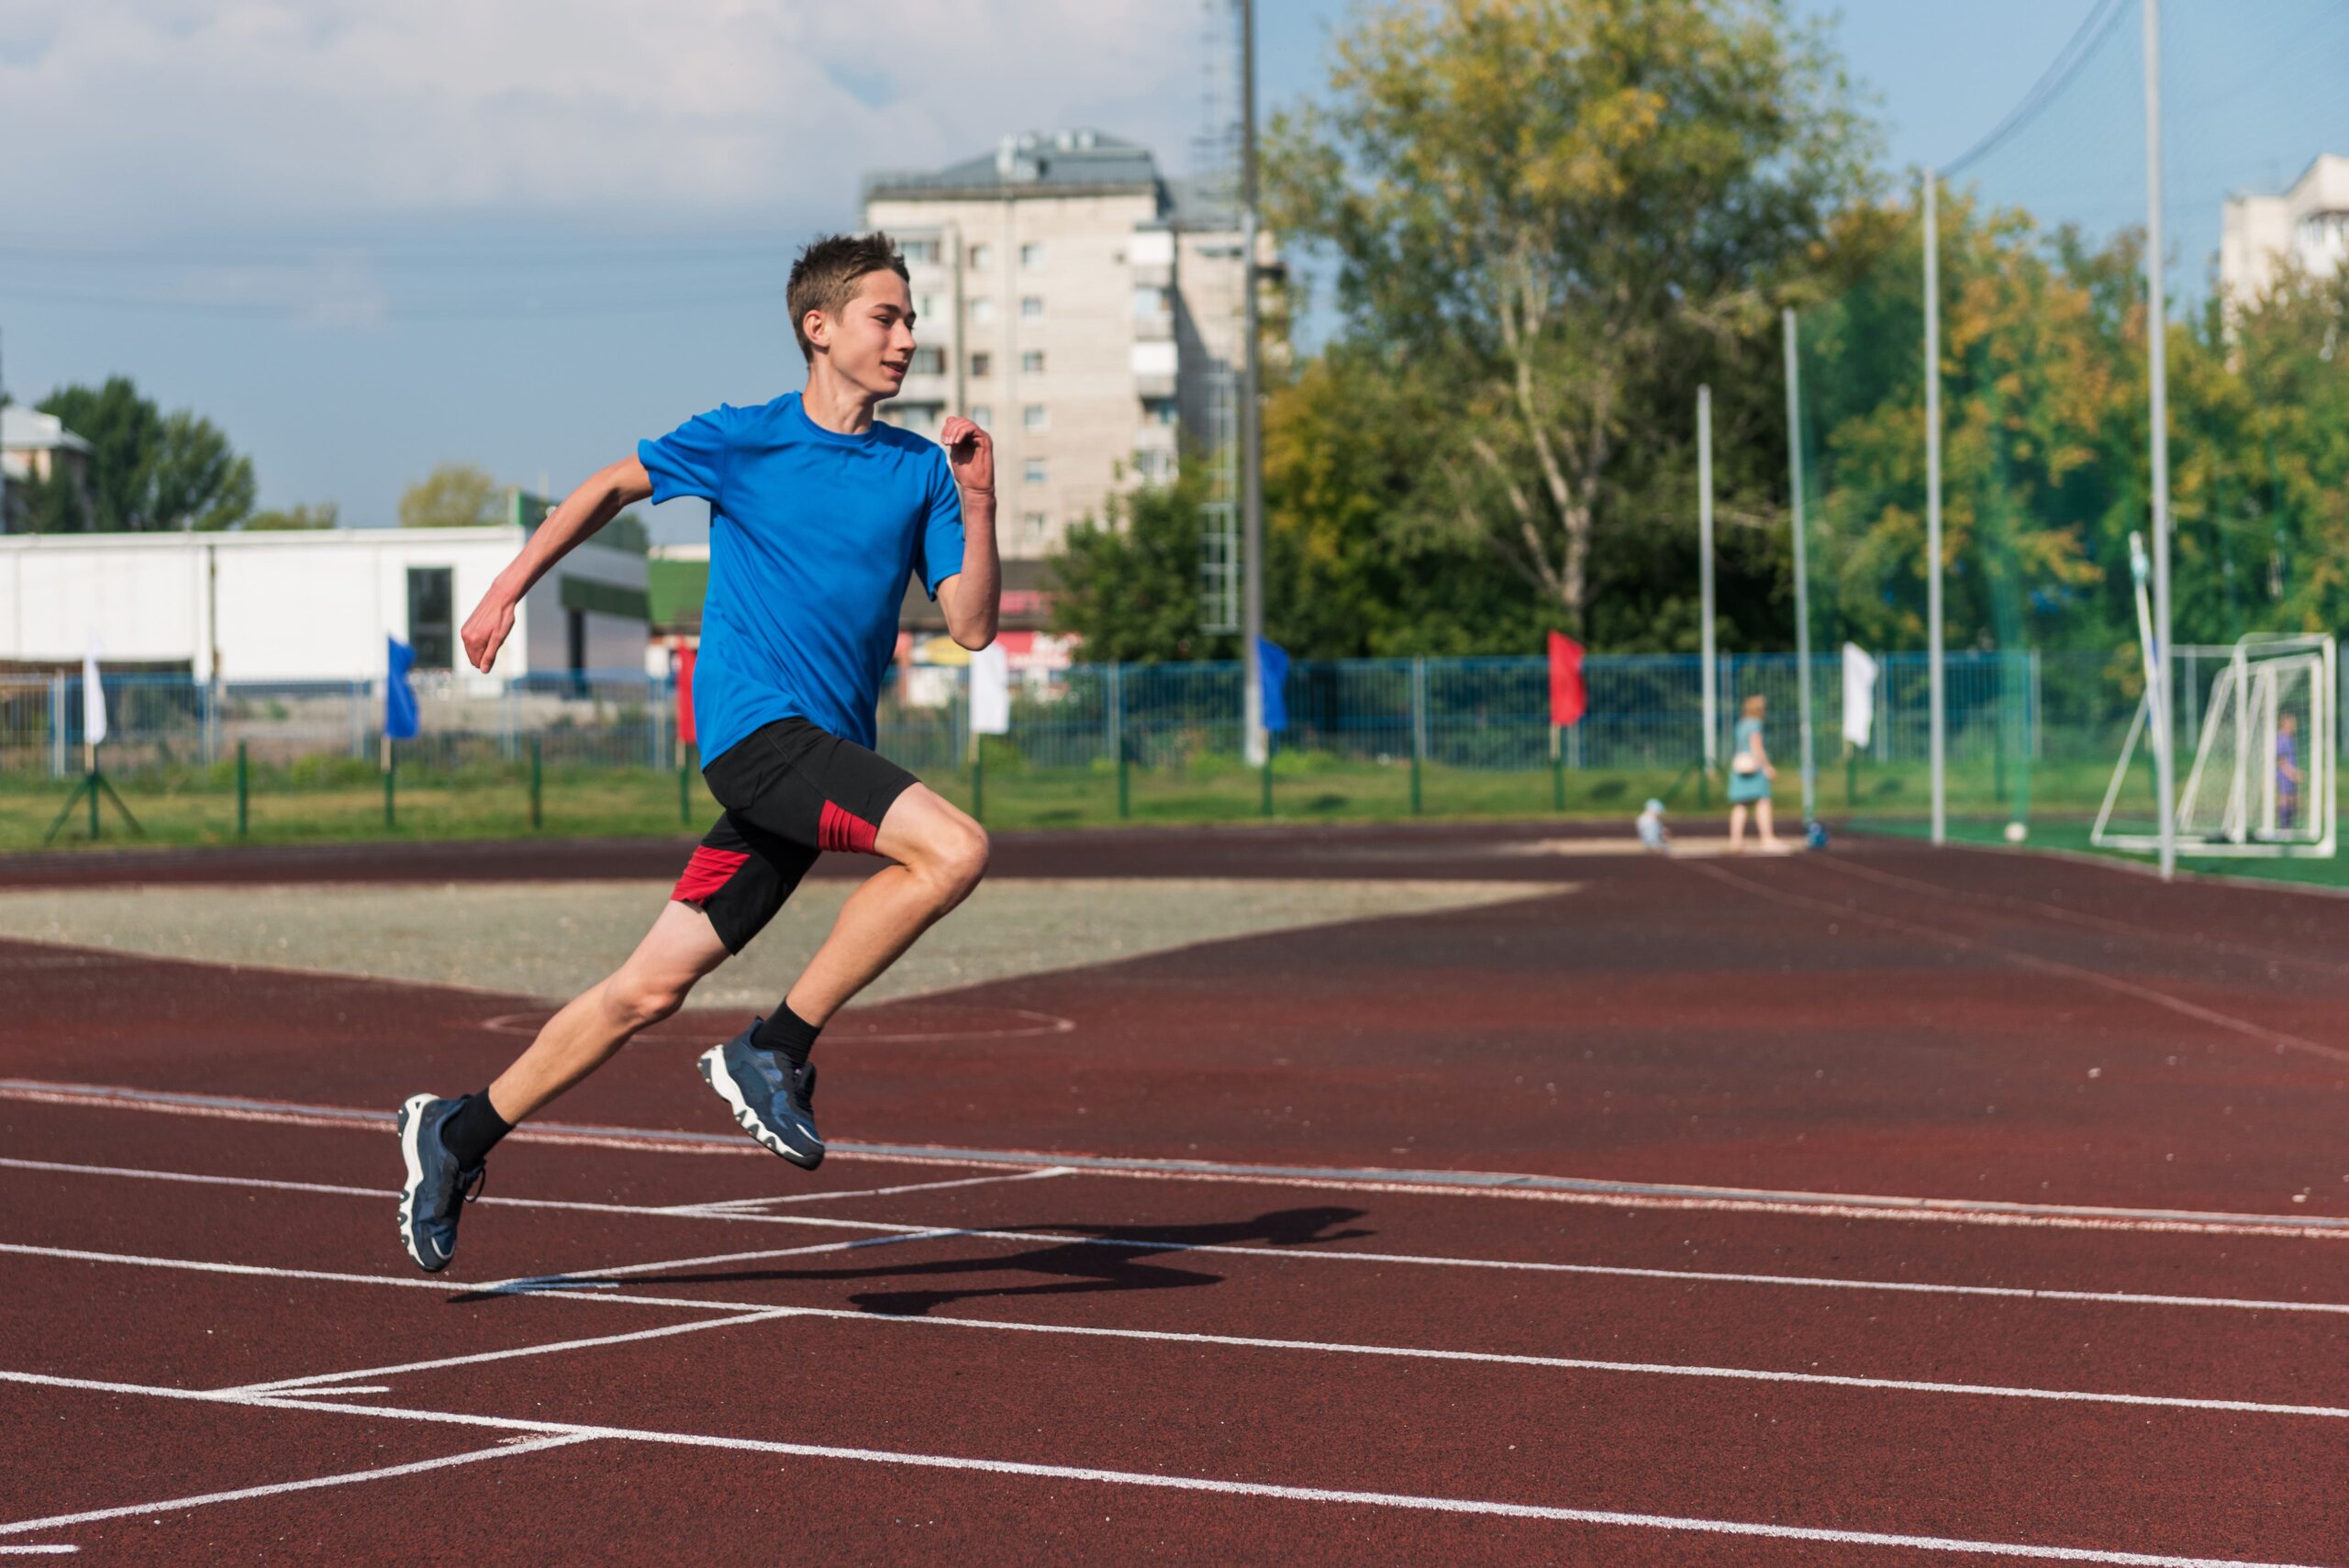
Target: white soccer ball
pixel 2017 832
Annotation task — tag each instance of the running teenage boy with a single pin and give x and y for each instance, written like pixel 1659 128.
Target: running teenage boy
pixel 817 516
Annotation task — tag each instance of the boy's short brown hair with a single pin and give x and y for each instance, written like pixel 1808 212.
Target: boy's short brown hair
pixel 827 272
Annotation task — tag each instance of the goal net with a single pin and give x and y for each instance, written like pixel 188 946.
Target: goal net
pixel 2260 778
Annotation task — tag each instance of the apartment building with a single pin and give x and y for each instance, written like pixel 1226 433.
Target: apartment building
pixel 1078 304
pixel 2309 223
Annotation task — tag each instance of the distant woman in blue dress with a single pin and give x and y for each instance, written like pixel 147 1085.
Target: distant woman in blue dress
pixel 1750 777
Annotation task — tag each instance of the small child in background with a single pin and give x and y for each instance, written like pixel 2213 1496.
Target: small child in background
pixel 1652 832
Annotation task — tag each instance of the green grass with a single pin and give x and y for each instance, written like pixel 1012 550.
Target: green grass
pixel 345 804
pixel 2072 833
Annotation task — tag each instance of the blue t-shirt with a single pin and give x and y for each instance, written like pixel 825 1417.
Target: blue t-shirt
pixel 812 535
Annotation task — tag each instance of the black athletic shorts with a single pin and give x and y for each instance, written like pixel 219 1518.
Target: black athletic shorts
pixel 790 791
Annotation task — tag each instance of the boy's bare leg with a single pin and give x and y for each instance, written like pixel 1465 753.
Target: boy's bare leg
pixel 679 949
pixel 940 854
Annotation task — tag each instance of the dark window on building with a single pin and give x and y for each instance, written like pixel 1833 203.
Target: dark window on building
pixel 577 635
pixel 431 617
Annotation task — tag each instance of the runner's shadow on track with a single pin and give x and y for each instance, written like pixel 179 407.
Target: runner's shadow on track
pixel 1110 1258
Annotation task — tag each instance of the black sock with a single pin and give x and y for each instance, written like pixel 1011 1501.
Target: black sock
pixel 788 1035
pixel 474 1128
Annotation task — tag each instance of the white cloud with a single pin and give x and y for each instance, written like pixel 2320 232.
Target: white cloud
pixel 128 118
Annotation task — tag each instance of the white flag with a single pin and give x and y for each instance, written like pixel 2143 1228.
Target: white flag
pixel 94 698
pixel 990 692
pixel 1859 694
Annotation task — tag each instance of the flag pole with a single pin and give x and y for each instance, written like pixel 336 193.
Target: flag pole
pixel 1711 672
pixel 1803 575
pixel 1937 719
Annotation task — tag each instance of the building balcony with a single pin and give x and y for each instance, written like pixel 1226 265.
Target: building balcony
pixel 1154 329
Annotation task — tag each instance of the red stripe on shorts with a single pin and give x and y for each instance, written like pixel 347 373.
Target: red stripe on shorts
pixel 839 829
pixel 706 873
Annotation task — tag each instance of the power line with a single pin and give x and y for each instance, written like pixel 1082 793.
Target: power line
pixel 2103 17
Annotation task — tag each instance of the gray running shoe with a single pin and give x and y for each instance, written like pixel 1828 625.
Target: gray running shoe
pixel 436 1191
pixel 774 1104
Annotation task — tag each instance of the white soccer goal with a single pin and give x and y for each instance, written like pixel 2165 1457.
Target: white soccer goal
pixel 2262 778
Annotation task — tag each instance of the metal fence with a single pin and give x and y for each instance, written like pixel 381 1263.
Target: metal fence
pixel 1644 713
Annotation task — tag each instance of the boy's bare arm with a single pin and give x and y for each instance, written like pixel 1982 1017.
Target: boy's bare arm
pixel 581 513
pixel 973 596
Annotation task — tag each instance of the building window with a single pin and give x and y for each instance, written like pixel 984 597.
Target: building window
pixel 983 414
pixel 1160 411
pixel 1031 308
pixel 982 311
pixel 982 364
pixel 1154 467
pixel 1031 254
pixel 924 251
pixel 431 623
pixel 1035 417
pixel 1149 304
pixel 1035 472
pixel 1036 523
pixel 930 362
pixel 982 257
pixel 1032 362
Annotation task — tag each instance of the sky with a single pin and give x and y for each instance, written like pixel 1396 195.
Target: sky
pixel 364 239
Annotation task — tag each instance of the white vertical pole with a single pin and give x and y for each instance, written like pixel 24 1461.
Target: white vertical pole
pixel 2157 376
pixel 1255 743
pixel 1938 718
pixel 1712 699
pixel 1803 575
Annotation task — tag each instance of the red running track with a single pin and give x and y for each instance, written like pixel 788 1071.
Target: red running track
pixel 2119 1340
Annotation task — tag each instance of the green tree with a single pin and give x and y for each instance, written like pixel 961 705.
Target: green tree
pixel 1559 216
pixel 453 495
pixel 325 515
pixel 1129 583
pixel 152 470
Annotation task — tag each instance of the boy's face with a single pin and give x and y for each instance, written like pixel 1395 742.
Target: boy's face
pixel 871 343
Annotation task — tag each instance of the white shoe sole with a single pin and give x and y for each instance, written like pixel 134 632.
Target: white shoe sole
pixel 411 1128
pixel 712 1063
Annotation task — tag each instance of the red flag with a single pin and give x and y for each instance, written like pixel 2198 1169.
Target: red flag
pixel 1568 698
pixel 684 662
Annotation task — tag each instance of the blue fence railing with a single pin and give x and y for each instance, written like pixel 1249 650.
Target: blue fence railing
pixel 1644 712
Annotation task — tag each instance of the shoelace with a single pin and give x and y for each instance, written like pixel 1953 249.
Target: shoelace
pixel 469 1187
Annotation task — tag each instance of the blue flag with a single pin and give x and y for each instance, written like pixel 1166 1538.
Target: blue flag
pixel 399 701
pixel 1272 663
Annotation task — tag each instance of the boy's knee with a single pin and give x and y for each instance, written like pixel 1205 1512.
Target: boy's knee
pixel 643 1000
pixel 958 861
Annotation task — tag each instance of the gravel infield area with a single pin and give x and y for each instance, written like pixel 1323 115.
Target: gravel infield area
pixel 553 939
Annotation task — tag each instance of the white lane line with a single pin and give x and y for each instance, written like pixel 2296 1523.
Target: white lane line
pixel 1408 1260
pixel 773 1199
pixel 1159 1481
pixel 336 1392
pixel 1405 1352
pixel 38 1550
pixel 534 1445
pixel 2112 982
pixel 292 1387
pixel 1594 1191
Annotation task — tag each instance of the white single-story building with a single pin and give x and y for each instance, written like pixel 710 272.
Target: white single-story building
pixel 316 605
